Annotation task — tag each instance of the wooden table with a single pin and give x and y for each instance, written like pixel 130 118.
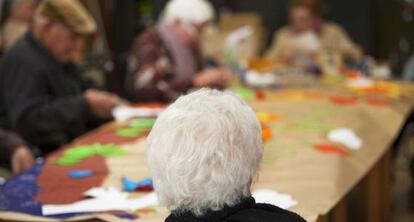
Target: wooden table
pixel 319 181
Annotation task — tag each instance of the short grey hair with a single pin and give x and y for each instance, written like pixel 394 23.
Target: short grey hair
pixel 204 151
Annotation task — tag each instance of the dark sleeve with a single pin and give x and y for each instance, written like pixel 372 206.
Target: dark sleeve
pixel 8 143
pixel 35 115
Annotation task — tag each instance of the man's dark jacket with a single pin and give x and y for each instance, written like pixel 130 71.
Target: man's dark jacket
pixel 40 98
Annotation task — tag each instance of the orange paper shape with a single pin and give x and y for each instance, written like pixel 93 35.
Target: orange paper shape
pixel 331 148
pixel 266 133
pixel 260 95
pixel 353 74
pixel 344 100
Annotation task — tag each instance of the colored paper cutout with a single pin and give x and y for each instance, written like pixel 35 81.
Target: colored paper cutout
pixel 79 153
pixel 124 113
pixel 295 95
pixel 344 100
pixel 104 200
pixel 385 88
pixel 129 132
pixel 260 95
pixel 243 92
pixel 331 148
pixel 109 150
pixel 142 123
pixel 346 137
pixel 142 185
pixel 266 133
pixel 267 117
pixel 79 174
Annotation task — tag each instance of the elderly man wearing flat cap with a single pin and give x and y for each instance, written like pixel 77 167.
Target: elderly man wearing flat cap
pixel 42 95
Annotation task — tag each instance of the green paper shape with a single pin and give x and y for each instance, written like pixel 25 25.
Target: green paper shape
pixel 109 150
pixel 142 123
pixel 243 92
pixel 129 132
pixel 67 161
pixel 80 152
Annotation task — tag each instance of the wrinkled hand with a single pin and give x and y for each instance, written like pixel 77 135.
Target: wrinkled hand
pixel 213 77
pixel 22 159
pixel 101 103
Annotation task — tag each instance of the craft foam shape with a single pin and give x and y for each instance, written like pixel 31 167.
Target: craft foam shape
pixel 130 186
pixel 283 201
pixel 142 123
pixel 78 174
pixel 129 132
pixel 332 148
pixel 105 193
pixel 123 113
pixel 346 137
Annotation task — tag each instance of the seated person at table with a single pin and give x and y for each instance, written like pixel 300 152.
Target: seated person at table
pixel 166 60
pixel 21 16
pixel 42 95
pixel 309 35
pixel 203 153
pixel 14 153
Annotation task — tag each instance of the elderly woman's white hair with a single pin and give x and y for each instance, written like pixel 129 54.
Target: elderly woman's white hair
pixel 204 151
pixel 193 11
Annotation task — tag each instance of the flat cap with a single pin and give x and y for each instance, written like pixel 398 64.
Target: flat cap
pixel 70 13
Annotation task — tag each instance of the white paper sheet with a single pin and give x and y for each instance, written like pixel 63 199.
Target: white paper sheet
pixel 283 201
pixel 123 113
pixel 254 78
pixel 236 37
pixel 361 82
pixel 106 199
pixel 346 137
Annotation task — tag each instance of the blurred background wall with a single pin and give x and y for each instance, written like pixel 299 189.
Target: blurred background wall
pixel 383 28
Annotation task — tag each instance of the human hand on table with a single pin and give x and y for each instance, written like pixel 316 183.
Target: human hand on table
pixel 102 103
pixel 213 77
pixel 22 159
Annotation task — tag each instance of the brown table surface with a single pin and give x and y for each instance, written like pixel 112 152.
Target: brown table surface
pixel 291 165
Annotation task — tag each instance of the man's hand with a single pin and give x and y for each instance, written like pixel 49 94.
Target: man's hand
pixel 22 159
pixel 101 103
pixel 213 77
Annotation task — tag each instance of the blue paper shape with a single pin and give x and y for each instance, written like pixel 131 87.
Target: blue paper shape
pixel 79 174
pixel 131 186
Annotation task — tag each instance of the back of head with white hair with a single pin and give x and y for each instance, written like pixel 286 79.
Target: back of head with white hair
pixel 191 11
pixel 204 151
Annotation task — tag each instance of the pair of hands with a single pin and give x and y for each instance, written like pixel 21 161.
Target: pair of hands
pixel 213 77
pixel 101 103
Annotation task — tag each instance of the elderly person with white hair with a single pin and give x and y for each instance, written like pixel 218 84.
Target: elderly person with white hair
pixel 204 151
pixel 166 60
